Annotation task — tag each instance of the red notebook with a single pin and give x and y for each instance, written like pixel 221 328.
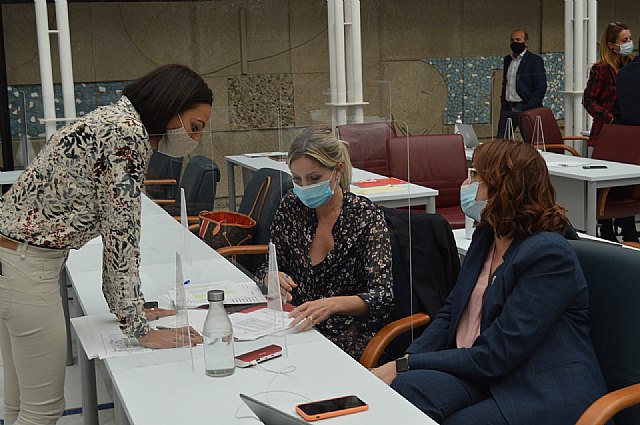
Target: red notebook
pixel 386 181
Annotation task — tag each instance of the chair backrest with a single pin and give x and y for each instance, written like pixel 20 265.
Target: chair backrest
pixel 368 144
pixel 280 185
pixel 619 143
pixel 199 180
pixel 612 274
pixel 162 166
pixel 429 254
pixel 437 161
pixel 550 128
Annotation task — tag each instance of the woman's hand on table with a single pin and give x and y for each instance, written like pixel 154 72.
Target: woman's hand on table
pixel 155 313
pixel 286 285
pixel 170 338
pixel 387 372
pixel 311 313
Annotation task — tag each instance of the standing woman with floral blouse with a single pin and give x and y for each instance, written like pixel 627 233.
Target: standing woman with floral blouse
pixel 86 182
pixel 333 248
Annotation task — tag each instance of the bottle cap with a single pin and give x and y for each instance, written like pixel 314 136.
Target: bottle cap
pixel 215 295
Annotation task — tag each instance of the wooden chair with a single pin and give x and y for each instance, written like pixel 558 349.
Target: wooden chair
pixel 424 273
pixel 199 181
pixel 614 290
pixel 368 144
pixel 437 161
pixel 554 140
pixel 251 256
pixel 618 143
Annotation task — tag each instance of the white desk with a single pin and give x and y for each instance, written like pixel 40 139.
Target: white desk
pixel 463 243
pixel 160 387
pixel 411 193
pixel 9 177
pixel 577 188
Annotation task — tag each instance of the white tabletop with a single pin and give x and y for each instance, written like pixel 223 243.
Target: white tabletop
pixel 389 199
pixel 10 177
pixel 161 388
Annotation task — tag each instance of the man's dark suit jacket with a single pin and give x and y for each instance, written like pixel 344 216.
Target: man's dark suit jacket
pixel 628 94
pixel 534 349
pixel 531 80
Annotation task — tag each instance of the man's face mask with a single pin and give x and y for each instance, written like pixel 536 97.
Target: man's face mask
pixel 177 143
pixel 517 48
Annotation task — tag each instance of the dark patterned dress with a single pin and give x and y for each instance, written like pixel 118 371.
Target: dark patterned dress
pixel 358 264
pixel 86 182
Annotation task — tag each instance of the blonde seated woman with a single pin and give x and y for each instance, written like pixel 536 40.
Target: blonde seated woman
pixel 333 247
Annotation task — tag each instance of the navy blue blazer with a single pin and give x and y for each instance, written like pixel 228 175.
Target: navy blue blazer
pixel 531 80
pixel 627 109
pixel 534 349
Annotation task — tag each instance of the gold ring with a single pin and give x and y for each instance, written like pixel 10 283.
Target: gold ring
pixel 310 319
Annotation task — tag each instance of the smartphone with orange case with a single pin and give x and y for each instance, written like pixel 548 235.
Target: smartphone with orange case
pixel 331 407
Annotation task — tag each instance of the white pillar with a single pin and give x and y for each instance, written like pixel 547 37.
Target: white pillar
pixel 568 67
pixel 579 65
pixel 66 64
pixel 355 88
pixel 341 77
pixel 46 75
pixel 332 59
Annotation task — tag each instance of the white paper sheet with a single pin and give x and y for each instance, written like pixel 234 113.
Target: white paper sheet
pixel 234 293
pixel 101 337
pixel 258 323
pixel 567 164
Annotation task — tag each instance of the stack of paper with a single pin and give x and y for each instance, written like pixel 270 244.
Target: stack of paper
pixel 258 323
pixel 234 293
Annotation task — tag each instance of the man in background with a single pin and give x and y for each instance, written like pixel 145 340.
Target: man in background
pixel 524 82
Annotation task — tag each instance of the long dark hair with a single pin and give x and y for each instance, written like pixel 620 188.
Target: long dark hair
pixel 165 92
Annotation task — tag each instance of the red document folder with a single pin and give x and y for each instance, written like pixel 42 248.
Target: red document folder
pixel 386 181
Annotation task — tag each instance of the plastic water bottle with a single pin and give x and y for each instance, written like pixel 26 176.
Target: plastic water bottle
pixel 218 337
pixel 456 130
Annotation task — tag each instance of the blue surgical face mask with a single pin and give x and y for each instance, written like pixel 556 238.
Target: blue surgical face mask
pixel 470 206
pixel 315 195
pixel 626 48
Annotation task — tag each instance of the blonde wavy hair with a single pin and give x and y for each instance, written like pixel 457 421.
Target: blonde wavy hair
pixel 320 144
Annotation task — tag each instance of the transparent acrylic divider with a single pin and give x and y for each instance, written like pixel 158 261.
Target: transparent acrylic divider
pixel 25 153
pixel 275 320
pixel 183 334
pixel 509 134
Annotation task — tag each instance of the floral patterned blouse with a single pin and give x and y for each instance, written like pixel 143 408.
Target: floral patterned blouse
pixel 358 264
pixel 86 182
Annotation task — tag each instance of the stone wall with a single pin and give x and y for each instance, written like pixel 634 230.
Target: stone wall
pixel 425 61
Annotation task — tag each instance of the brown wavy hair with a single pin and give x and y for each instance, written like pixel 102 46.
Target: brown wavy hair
pixel 521 200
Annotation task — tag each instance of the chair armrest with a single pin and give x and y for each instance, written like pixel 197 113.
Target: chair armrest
pixel 384 336
pixel 565 147
pixel 229 251
pixel 602 200
pixel 191 219
pixel 159 182
pixel 575 138
pixel 608 405
pixel 193 228
pixel 632 244
pixel 164 201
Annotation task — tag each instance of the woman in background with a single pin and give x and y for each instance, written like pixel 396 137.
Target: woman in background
pixel 616 45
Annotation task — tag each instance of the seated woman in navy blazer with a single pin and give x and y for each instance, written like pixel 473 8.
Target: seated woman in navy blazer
pixel 511 345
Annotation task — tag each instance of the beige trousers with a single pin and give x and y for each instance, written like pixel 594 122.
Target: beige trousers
pixel 32 334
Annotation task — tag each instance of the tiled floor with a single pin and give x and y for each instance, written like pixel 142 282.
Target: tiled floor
pixel 73 392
